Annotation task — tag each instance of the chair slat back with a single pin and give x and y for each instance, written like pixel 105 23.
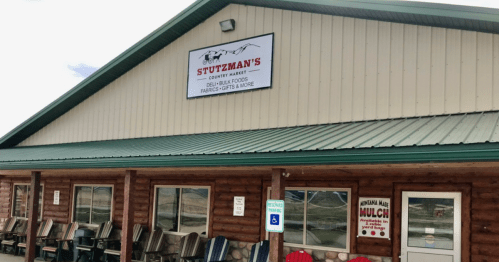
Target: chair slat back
pixel 189 245
pixel 9 224
pixel 260 252
pixel 22 227
pixel 69 234
pixel 216 249
pixel 104 230
pixel 137 231
pixel 44 228
pixel 299 256
pixel 155 241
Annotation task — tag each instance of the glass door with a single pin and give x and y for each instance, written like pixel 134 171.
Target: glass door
pixel 431 227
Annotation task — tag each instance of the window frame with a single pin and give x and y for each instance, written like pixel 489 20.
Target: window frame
pixel 349 217
pixel 156 187
pixel 91 185
pixel 40 217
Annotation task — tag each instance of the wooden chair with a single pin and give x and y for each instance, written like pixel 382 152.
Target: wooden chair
pixel 43 231
pixel 137 232
pixel 103 233
pixel 8 227
pixel 63 249
pixel 260 252
pixel 216 250
pixel 13 240
pixel 188 248
pixel 299 256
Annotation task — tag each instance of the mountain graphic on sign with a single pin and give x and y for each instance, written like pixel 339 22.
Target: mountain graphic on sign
pixel 215 55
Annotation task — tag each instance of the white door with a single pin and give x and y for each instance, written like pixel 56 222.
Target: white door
pixel 431 227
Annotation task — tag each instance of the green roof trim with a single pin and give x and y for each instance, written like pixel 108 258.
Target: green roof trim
pixel 446 138
pixel 429 14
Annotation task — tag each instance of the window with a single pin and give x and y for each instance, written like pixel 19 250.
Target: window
pixel 20 203
pixel 92 203
pixel 181 209
pixel 317 217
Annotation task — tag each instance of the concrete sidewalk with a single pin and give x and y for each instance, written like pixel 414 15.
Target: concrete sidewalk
pixel 11 258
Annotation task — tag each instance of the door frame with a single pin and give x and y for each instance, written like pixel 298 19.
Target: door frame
pixel 464 189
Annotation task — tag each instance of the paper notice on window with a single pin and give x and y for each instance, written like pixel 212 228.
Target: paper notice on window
pixel 56 197
pixel 429 230
pixel 239 206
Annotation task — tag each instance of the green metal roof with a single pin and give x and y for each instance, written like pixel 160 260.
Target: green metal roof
pixel 429 14
pixel 464 137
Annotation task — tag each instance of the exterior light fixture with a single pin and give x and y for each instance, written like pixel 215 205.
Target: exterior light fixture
pixel 228 25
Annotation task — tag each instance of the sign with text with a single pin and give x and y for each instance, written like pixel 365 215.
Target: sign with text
pixel 374 217
pixel 275 216
pixel 57 193
pixel 239 206
pixel 232 67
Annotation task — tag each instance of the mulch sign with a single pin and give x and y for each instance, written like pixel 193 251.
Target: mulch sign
pixel 374 217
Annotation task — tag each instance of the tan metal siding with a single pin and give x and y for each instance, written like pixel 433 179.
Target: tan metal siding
pixel 327 69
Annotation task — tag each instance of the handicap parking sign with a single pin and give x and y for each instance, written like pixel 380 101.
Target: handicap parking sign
pixel 275 216
pixel 274 219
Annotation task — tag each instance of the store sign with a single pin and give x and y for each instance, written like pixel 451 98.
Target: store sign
pixel 239 206
pixel 275 216
pixel 233 67
pixel 374 217
pixel 57 193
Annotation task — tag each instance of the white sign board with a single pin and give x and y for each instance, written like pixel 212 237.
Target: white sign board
pixel 57 193
pixel 275 216
pixel 239 206
pixel 232 67
pixel 374 217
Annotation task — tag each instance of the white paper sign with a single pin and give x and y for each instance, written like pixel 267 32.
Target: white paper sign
pixel 429 230
pixel 237 66
pixel 239 206
pixel 374 217
pixel 275 216
pixel 56 197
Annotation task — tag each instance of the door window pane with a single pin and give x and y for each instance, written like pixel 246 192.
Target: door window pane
pixel 101 208
pixel 166 208
pixel 83 202
pixel 294 213
pixel 21 201
pixel 327 218
pixel 431 223
pixel 193 216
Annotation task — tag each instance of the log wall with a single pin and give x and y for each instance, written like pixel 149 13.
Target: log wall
pixel 480 202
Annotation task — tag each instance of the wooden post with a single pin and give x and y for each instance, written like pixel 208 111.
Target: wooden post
pixel 34 198
pixel 276 239
pixel 128 214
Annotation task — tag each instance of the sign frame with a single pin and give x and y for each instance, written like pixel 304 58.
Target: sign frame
pixel 269 214
pixel 235 91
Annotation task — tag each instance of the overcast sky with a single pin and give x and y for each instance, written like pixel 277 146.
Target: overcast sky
pixel 49 46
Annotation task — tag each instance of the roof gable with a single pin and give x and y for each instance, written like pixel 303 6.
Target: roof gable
pixel 459 17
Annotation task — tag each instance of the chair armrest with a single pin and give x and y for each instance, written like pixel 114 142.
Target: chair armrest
pixel 194 258
pixel 152 252
pixel 47 238
pixel 64 240
pixel 100 238
pixel 111 240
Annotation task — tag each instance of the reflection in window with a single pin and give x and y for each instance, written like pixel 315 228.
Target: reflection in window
pixel 93 204
pixel 325 214
pixel 21 201
pixel 182 209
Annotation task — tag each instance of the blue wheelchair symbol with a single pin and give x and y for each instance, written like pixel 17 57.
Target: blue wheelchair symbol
pixel 274 219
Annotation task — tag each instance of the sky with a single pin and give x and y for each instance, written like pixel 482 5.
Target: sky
pixel 49 46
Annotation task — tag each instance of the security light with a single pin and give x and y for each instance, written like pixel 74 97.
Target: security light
pixel 228 25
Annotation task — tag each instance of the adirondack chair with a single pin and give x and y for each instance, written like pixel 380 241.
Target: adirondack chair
pixel 42 232
pixel 360 259
pixel 109 252
pixel 189 246
pixel 20 229
pixel 299 256
pixel 260 252
pixel 153 247
pixel 91 250
pixel 63 248
pixel 8 227
pixel 216 250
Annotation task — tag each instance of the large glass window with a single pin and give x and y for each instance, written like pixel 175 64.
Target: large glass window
pixel 182 209
pixel 92 204
pixel 317 217
pixel 20 205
